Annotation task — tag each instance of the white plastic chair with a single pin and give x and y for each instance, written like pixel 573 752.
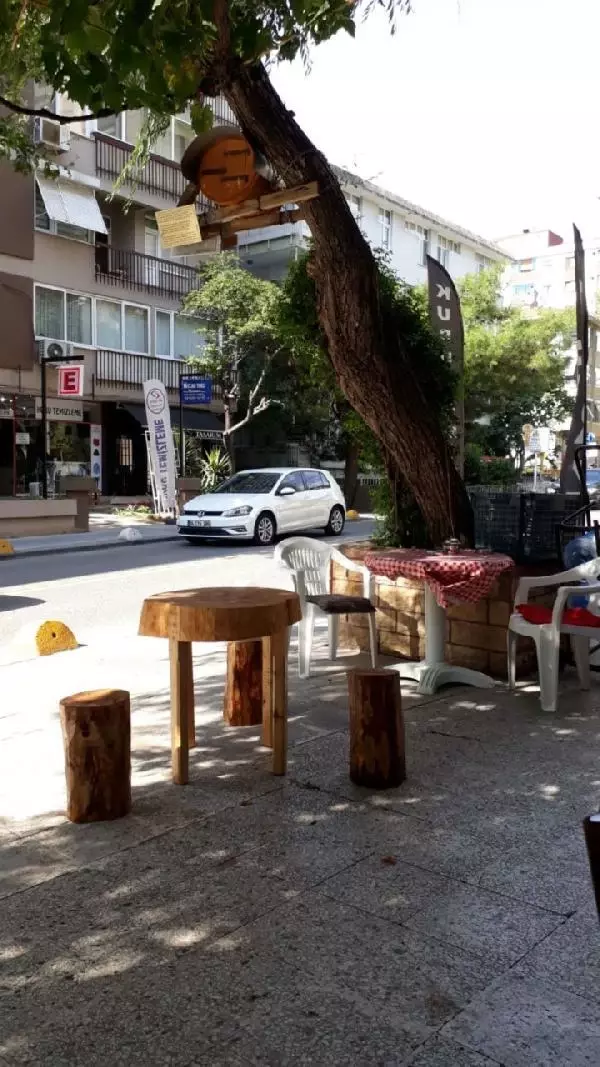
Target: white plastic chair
pixel 310 564
pixel 547 634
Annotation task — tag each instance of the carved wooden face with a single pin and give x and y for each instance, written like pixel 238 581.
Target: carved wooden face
pixel 226 173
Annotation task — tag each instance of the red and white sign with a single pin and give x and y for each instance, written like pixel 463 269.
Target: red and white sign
pixel 70 380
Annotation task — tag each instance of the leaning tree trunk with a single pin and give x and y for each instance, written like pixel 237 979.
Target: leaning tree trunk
pixel 363 342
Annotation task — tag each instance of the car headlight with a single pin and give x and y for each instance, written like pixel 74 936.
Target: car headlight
pixel 245 510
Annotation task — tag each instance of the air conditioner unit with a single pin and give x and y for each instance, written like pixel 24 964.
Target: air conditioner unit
pixel 52 134
pixel 55 350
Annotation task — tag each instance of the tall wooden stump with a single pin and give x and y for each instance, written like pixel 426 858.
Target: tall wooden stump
pixel 96 730
pixel 244 688
pixel 376 729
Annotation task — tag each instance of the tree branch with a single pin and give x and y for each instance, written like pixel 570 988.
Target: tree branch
pixel 265 403
pixel 62 120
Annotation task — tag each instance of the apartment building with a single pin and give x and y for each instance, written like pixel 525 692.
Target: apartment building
pixel 83 267
pixel 405 231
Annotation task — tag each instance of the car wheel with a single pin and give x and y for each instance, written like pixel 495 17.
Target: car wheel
pixel 337 521
pixel 265 529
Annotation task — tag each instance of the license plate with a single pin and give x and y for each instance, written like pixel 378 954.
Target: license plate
pixel 199 522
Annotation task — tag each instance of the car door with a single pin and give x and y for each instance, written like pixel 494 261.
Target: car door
pixel 291 510
pixel 318 492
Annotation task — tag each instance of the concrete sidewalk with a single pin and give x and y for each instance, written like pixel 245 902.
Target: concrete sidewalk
pixel 103 537
pixel 252 920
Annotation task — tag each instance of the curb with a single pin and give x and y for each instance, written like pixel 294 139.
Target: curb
pixel 29 552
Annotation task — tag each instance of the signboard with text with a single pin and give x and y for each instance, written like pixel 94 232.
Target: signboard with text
pixel 195 389
pixel 60 410
pixel 161 444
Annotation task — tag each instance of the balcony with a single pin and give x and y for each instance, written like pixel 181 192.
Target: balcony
pixel 160 176
pixel 134 270
pixel 129 372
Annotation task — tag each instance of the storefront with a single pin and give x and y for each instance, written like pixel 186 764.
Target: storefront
pixel 73 443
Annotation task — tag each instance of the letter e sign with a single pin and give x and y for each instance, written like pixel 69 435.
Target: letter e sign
pixel 70 381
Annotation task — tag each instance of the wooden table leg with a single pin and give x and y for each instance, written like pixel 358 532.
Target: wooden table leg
pixel 182 707
pixel 267 693
pixel 279 651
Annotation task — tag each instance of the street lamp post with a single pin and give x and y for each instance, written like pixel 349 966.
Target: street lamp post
pixel 53 361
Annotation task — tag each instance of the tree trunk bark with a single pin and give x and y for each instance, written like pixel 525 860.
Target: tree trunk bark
pixel 351 472
pixel 243 703
pixel 96 735
pixel 363 342
pixel 228 436
pixel 376 729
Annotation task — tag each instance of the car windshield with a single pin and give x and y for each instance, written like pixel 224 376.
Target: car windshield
pixel 249 482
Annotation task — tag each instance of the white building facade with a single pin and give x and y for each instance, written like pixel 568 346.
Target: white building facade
pixel 407 232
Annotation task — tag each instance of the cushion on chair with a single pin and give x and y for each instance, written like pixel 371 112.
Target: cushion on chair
pixel 340 604
pixel 538 615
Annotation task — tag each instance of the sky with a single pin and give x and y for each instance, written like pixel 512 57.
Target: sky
pixel 484 111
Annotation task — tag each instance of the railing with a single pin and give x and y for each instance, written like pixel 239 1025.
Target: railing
pixel 131 371
pixel 160 175
pixel 134 270
pixel 121 368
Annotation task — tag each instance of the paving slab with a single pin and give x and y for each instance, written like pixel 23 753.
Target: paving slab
pixel 442 1053
pixel 570 956
pixel 524 1023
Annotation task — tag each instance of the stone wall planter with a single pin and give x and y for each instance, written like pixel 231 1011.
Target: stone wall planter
pixel 476 635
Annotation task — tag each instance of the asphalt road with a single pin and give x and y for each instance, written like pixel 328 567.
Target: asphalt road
pixel 96 590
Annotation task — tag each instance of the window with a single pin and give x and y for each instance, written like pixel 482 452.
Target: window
pixel 445 247
pixel 61 229
pixel 136 328
pixel 112 126
pixel 315 480
pixel 163 333
pixel 294 480
pixel 108 324
pixel 79 319
pixel 413 227
pixel 355 205
pixel 482 263
pixel 49 313
pixel 63 316
pixel 526 265
pixel 385 223
pixel 187 340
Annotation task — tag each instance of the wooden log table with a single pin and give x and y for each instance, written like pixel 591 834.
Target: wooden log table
pixel 224 614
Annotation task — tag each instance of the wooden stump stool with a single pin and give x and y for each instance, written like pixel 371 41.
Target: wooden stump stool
pixel 96 730
pixel 376 729
pixel 243 704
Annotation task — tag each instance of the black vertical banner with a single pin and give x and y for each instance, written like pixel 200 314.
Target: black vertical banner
pixel 447 322
pixel 569 478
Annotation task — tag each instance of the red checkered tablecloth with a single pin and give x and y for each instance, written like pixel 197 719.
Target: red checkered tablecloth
pixel 467 576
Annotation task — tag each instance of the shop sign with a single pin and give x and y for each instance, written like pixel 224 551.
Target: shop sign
pixel 96 452
pixel 70 380
pixel 60 410
pixel 22 439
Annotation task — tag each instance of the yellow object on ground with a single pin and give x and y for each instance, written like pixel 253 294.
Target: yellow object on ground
pixel 352 515
pixel 6 549
pixel 54 636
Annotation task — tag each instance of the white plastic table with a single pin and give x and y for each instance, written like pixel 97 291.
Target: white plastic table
pixel 449 579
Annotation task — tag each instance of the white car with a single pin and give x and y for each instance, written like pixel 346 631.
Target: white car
pixel 257 505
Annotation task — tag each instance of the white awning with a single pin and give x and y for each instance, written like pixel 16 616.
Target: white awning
pixel 73 204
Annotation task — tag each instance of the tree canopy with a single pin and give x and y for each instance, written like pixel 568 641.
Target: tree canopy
pixel 514 364
pixel 117 55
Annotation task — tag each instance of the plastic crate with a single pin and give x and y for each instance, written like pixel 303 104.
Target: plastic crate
pixel 522 525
